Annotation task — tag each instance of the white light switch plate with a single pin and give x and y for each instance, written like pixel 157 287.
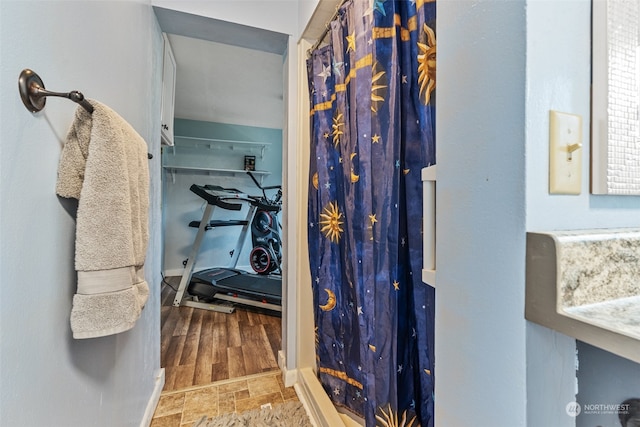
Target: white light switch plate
pixel 565 153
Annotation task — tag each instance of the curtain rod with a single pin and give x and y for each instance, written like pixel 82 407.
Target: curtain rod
pixel 326 28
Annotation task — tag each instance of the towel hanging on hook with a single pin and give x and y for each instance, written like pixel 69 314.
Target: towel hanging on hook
pixel 34 95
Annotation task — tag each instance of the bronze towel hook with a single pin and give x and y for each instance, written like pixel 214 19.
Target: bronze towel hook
pixel 34 95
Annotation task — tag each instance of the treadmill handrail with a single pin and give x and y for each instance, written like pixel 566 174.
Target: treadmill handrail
pixel 264 205
pixel 213 199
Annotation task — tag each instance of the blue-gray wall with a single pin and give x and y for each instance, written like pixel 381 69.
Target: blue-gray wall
pixel 181 206
pixel 604 380
pixel 502 65
pixel 480 360
pixel 111 51
pixel 558 78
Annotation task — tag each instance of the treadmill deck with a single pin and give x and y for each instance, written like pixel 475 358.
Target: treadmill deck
pixel 237 282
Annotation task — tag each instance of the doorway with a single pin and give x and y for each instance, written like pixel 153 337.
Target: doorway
pixel 229 87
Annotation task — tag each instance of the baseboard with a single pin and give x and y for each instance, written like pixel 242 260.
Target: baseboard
pixel 290 377
pixel 153 400
pixel 318 405
pixel 350 419
pixel 171 272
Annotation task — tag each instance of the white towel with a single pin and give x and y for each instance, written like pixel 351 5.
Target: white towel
pixel 104 165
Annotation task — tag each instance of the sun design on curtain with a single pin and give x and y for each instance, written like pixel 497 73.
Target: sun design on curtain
pixel 378 86
pixel 337 126
pixel 390 419
pixel 372 99
pixel 331 222
pixel 427 67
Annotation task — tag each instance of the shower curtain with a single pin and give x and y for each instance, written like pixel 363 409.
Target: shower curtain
pixel 372 95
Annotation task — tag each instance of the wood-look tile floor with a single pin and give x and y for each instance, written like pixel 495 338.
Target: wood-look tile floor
pixel 182 408
pixel 199 347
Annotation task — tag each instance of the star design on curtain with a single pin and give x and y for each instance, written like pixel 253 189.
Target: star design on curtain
pixel 378 5
pixel 351 42
pixel 337 66
pixel 325 73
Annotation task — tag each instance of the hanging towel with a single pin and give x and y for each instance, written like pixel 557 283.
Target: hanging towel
pixel 104 165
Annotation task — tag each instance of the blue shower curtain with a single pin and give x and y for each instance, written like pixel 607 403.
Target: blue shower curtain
pixel 372 94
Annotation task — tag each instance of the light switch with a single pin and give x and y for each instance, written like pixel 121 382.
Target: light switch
pixel 565 153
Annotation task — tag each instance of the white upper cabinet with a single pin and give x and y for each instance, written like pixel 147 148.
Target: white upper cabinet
pixel 168 92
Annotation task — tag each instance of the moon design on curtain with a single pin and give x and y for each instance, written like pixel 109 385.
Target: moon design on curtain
pixel 372 96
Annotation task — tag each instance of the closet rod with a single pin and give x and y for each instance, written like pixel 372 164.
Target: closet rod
pixel 326 28
pixel 34 95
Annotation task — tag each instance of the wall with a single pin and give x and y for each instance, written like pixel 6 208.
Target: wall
pixel 217 81
pixel 282 14
pixel 182 206
pixel 47 377
pixel 480 352
pixel 604 379
pixel 306 9
pixel 559 79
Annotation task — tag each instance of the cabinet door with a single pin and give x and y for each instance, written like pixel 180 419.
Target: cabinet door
pixel 168 92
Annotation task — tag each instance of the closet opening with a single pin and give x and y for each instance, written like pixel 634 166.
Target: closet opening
pixel 228 117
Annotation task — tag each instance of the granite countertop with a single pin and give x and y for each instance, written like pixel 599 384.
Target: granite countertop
pixel 621 315
pixel 598 266
pixel 586 284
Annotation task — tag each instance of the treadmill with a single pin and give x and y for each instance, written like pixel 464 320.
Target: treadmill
pixel 220 288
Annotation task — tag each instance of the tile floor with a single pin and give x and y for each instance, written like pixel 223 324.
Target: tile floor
pixel 182 408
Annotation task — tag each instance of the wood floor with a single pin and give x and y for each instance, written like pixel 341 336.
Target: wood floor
pixel 199 347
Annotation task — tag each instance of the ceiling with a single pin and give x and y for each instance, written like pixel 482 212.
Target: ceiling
pixel 215 30
pixel 226 72
pixel 324 12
